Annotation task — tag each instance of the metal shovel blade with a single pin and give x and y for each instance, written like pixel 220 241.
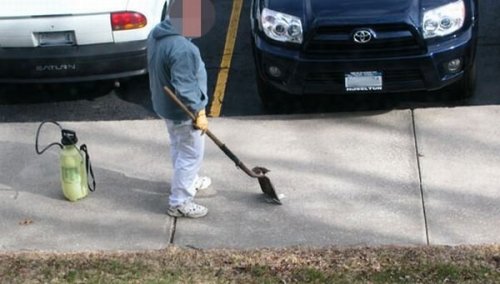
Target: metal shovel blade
pixel 266 185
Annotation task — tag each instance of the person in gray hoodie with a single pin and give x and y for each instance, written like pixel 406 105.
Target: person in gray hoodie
pixel 174 61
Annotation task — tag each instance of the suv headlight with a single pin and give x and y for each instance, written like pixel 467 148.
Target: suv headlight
pixel 444 20
pixel 281 27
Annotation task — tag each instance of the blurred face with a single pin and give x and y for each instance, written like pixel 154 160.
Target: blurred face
pixel 192 18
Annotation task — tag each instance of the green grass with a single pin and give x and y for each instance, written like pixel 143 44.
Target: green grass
pixel 466 264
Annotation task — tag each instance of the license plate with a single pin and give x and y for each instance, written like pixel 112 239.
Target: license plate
pixel 363 81
pixel 56 38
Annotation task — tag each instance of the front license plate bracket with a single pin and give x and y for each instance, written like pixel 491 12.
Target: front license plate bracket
pixel 363 81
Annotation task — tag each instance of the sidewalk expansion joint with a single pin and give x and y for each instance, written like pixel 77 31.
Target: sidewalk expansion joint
pixel 173 227
pixel 418 155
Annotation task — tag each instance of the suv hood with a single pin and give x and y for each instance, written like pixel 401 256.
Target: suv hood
pixel 27 8
pixel 354 11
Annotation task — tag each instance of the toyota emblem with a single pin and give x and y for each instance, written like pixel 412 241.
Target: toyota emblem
pixel 363 36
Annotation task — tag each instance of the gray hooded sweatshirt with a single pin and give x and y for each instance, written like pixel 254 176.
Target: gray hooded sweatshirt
pixel 174 61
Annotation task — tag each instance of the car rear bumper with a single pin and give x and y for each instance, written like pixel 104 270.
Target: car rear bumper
pixel 303 74
pixel 73 63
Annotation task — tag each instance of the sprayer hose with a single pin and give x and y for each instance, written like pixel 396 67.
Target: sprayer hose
pixel 50 145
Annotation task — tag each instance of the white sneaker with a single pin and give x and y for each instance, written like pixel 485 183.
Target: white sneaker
pixel 203 188
pixel 202 183
pixel 188 209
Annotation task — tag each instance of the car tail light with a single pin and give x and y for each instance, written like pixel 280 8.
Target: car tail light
pixel 127 21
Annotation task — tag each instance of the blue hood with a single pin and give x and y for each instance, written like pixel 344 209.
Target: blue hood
pixel 355 11
pixel 164 29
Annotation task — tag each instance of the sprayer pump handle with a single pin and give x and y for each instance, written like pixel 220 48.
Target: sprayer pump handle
pixel 68 137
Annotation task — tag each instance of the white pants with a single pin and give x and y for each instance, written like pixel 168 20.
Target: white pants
pixel 186 150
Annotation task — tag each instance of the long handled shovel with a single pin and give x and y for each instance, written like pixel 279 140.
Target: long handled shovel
pixel 257 172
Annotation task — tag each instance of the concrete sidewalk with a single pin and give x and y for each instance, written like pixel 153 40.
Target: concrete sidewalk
pixel 430 176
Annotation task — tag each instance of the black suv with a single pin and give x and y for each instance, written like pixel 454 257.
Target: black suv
pixel 361 46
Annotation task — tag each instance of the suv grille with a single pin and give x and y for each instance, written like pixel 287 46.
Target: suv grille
pixel 387 41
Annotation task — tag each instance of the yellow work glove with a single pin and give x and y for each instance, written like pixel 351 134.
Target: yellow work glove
pixel 201 121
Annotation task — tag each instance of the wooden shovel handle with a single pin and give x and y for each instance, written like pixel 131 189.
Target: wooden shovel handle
pixel 190 114
pixel 179 103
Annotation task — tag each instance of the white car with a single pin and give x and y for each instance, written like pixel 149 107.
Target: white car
pixel 65 41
